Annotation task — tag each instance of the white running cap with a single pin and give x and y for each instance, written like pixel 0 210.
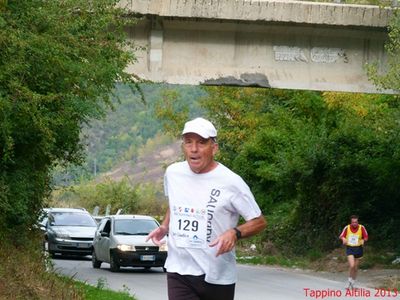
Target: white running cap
pixel 200 126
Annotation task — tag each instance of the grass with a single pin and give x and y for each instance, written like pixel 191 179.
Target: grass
pixel 265 253
pixel 101 293
pixel 272 260
pixel 393 283
pixel 379 258
pixel 25 273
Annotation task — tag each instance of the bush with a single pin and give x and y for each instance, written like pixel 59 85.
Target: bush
pixel 26 274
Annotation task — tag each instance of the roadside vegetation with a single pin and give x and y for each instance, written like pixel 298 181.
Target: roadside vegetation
pixel 101 292
pixel 26 273
pixel 133 199
pixel 59 62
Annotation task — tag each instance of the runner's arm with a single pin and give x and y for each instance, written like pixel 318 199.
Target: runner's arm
pixel 252 227
pixel 159 233
pixel 364 234
pixel 343 235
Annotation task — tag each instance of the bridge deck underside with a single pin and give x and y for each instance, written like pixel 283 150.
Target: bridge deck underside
pixel 293 56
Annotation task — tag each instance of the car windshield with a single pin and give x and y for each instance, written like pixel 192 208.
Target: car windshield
pixel 71 219
pixel 134 226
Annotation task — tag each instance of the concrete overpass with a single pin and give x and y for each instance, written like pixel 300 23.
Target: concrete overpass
pixel 278 44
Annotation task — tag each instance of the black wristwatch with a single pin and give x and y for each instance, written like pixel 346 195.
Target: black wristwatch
pixel 238 233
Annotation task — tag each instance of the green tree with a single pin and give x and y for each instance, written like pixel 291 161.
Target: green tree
pixel 119 195
pixel 59 62
pixel 173 111
pixel 389 78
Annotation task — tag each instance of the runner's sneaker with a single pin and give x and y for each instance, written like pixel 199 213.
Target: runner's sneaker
pixel 353 284
pixel 350 283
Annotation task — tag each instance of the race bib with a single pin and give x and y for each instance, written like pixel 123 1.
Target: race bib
pixel 353 240
pixel 189 226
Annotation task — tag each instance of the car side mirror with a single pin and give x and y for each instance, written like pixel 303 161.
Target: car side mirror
pixel 104 234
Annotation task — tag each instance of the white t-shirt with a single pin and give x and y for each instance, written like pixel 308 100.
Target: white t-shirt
pixel 202 207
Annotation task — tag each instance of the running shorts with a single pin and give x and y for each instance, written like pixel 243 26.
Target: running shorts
pixel 189 287
pixel 356 251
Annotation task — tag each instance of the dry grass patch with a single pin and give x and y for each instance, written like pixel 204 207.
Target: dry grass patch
pixel 24 275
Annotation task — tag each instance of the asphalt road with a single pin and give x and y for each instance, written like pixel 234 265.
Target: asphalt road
pixel 254 282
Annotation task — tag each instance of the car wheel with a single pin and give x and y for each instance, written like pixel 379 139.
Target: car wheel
pixel 114 262
pixel 52 254
pixel 95 263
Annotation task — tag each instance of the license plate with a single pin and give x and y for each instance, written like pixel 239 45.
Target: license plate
pixel 147 258
pixel 82 245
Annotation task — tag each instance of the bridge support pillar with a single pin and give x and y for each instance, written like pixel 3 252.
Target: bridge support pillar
pixel 156 41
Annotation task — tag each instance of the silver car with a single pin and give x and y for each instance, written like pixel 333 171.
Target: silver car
pixel 120 240
pixel 69 231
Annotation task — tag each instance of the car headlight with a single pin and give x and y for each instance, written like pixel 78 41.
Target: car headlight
pixel 62 235
pixel 163 247
pixel 126 247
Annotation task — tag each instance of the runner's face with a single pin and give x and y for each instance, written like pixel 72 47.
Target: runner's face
pixel 354 223
pixel 199 152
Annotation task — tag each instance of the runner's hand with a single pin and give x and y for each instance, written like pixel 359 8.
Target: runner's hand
pixel 157 235
pixel 225 242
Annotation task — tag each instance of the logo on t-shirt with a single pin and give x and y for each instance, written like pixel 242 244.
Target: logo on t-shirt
pixel 211 205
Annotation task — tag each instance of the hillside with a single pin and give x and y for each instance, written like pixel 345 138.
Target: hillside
pixel 149 167
pixel 114 142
